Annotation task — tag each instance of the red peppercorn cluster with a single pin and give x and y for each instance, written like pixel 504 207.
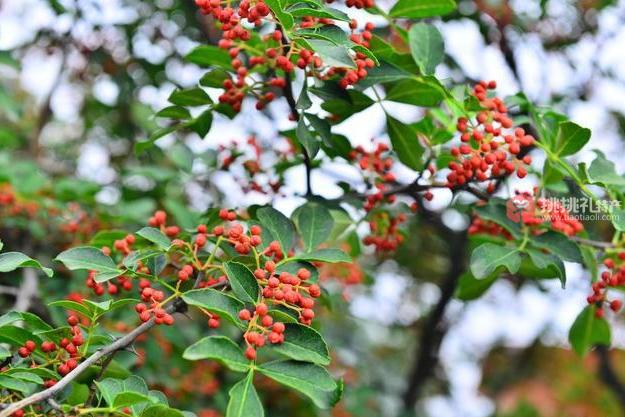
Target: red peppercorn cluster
pixel 385 234
pixel 480 226
pixel 490 148
pixel 376 166
pixel 64 357
pixel 159 219
pixel 154 298
pixel 259 173
pixel 363 62
pixel 292 291
pixel 279 54
pixel 614 276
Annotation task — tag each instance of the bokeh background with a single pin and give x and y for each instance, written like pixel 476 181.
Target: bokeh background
pixel 81 80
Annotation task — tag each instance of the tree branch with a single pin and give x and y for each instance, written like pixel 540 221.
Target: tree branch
pixel 176 306
pixel 608 375
pixel 287 91
pixel 435 328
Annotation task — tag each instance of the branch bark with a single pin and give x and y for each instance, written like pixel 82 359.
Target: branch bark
pixel 435 327
pixel 608 375
pixel 121 343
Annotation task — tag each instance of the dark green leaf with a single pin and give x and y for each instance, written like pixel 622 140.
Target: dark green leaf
pixel 10 261
pixel 422 8
pixel 488 257
pixel 215 301
pixel 309 379
pixel 405 143
pixel 303 343
pixel 208 55
pixel 244 401
pixel 218 348
pixel 155 236
pixel 87 257
pixel 314 223
pixel 588 331
pixel 191 97
pixel 427 47
pixel 242 281
pixel 329 255
pixel 571 138
pixel 278 225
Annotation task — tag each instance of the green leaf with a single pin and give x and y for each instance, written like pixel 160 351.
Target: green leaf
pixel 244 401
pixel 214 78
pixel 217 302
pixel 307 138
pixel 405 143
pixel 602 171
pixel 31 320
pixel 191 97
pixel 13 384
pixel 314 223
pixel 550 263
pixel 161 410
pixel 174 112
pixel 560 245
pixel 470 288
pixel 87 257
pixel 385 73
pixel 487 257
pixel 10 261
pixel 242 281
pixel 218 348
pixel 426 46
pixel 571 138
pixel 155 236
pixel 72 306
pixel 418 92
pixel 129 398
pixel 133 258
pixel 303 343
pixel 422 8
pixel 309 379
pixel 202 124
pixel 588 331
pixel 208 55
pixel 278 225
pixel 329 255
pixel 331 54
pixel 111 388
pixel 277 8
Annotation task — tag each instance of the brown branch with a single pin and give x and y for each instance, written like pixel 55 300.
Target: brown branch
pixel 608 375
pixel 435 327
pixel 287 91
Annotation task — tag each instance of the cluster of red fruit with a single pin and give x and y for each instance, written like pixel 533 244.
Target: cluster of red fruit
pixel 384 226
pixel 489 149
pixel 377 166
pixel 613 277
pixel 159 219
pixel 71 220
pixel 281 54
pixel 480 226
pixel 154 298
pixel 65 356
pixel 292 291
pixel 385 234
pixel 257 177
